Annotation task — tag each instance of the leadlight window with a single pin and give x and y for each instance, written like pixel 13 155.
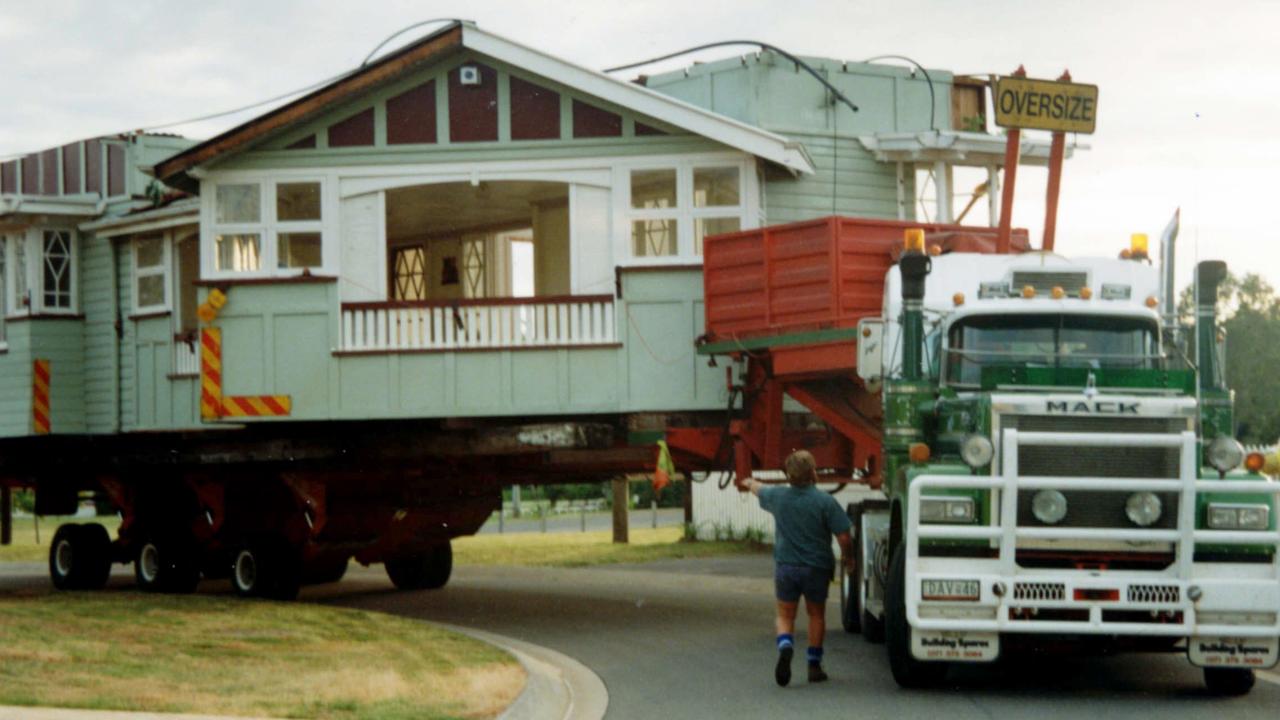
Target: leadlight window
pixel 21 282
pixel 409 275
pixel 57 268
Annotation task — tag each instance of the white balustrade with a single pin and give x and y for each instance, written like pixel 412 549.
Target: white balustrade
pixel 186 359
pixel 471 325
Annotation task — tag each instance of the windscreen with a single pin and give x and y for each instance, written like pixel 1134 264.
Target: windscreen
pixel 1049 340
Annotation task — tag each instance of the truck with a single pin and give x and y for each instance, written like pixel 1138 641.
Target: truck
pixel 1054 448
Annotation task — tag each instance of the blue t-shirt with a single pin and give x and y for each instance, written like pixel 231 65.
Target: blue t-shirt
pixel 805 519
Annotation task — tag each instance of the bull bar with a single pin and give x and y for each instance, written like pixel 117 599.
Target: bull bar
pixel 1186 587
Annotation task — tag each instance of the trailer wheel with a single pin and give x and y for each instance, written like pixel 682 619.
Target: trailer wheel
pixel 1229 681
pixel 422 571
pixel 96 543
pixel 266 568
pixel 328 570
pixel 907 671
pixel 166 565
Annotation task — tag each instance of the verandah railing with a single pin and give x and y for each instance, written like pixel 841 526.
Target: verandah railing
pixel 475 324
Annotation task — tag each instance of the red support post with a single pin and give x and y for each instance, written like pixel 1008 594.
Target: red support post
pixel 1012 151
pixel 1056 152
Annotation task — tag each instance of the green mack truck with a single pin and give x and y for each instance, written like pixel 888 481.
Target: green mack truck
pixel 1056 457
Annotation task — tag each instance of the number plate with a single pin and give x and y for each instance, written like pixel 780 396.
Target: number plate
pixel 968 590
pixel 1233 652
pixel 955 646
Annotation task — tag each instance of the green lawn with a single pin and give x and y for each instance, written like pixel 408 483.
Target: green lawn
pixel 24 547
pixel 147 653
pixel 579 549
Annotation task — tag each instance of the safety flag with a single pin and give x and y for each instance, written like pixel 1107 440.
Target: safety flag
pixel 663 469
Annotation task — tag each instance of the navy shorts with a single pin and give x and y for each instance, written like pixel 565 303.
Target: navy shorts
pixel 792 581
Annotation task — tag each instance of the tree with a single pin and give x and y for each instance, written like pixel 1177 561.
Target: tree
pixel 1249 315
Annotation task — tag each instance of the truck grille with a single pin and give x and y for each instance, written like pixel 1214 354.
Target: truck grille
pixel 1039 591
pixel 1097 509
pixel 1154 594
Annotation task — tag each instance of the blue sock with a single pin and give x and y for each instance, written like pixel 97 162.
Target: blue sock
pixel 815 655
pixel 786 641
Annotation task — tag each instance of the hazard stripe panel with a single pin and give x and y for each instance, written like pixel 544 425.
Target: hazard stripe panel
pixel 212 403
pixel 42 373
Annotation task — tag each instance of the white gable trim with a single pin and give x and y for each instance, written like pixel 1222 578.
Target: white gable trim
pixel 699 121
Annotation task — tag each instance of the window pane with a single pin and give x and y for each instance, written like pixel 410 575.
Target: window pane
pixel 410 273
pixel 20 285
pixel 4 295
pixel 57 269
pixel 238 204
pixel 299 250
pixel 653 238
pixel 298 201
pixel 703 227
pixel 237 253
pixel 150 252
pixel 653 189
pixel 150 290
pixel 715 187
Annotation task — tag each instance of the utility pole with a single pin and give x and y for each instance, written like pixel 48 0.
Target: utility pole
pixel 621 492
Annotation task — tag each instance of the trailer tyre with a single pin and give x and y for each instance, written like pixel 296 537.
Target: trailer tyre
pixel 907 671
pixel 166 565
pixel 1229 681
pixel 429 570
pixel 267 568
pixel 96 542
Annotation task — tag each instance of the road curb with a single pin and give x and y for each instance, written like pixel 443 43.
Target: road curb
pixel 557 688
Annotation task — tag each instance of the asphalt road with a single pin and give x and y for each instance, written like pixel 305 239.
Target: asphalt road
pixel 694 639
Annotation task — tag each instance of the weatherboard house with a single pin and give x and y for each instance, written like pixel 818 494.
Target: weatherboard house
pixel 466 231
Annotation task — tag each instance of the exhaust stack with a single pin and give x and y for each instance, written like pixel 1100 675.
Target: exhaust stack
pixel 1209 275
pixel 914 266
pixel 1168 288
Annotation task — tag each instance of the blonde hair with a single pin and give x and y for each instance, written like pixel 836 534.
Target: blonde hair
pixel 801 468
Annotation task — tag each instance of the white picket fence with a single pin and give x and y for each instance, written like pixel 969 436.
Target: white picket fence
pixel 470 325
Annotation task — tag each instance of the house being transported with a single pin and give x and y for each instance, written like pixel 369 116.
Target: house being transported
pixel 338 329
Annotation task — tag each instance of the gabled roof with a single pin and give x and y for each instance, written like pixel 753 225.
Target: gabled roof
pixel 457 36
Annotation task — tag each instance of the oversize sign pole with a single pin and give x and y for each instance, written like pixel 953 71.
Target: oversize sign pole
pixel 1012 151
pixel 1056 151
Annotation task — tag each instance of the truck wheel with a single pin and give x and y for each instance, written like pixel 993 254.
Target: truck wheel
pixel 422 571
pixel 907 671
pixel 166 565
pixel 1229 681
pixel 266 568
pixel 80 557
pixel 850 591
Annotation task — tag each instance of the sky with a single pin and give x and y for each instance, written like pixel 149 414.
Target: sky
pixel 1188 112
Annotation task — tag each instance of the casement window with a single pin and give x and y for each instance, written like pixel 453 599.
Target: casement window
pixel 671 209
pixel 150 274
pixel 4 288
pixel 266 228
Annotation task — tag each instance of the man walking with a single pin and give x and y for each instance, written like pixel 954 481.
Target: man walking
pixel 805 518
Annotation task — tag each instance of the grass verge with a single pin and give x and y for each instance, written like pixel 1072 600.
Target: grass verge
pixel 580 549
pixel 25 548
pixel 130 652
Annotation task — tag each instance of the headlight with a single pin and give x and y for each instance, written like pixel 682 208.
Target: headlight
pixel 1143 509
pixel 1225 454
pixel 976 451
pixel 1231 516
pixel 946 509
pixel 1049 506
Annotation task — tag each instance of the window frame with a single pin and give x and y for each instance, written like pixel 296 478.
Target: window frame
pixel 747 210
pixel 269 227
pixel 34 273
pixel 4 290
pixel 164 270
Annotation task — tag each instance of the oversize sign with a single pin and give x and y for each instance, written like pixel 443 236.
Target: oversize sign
pixel 1046 105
